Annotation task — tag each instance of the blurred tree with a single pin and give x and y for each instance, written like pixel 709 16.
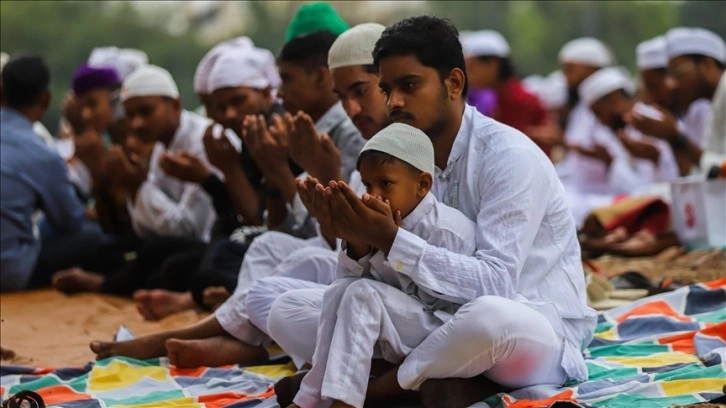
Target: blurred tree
pixel 65 32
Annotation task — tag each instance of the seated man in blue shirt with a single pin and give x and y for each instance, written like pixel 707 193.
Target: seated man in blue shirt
pixel 33 177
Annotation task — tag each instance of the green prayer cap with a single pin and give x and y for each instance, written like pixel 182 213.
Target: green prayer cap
pixel 313 17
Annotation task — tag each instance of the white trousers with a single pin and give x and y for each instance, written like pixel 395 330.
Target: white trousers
pixel 271 254
pixel 508 342
pixel 358 316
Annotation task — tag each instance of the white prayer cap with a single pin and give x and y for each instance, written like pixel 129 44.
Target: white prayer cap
pixel 355 46
pixel 405 143
pixel 123 60
pixel 652 54
pixel 252 68
pixel 4 58
pixel 149 80
pixel 484 43
pixel 551 90
pixel 587 51
pixel 204 69
pixel 699 41
pixel 604 82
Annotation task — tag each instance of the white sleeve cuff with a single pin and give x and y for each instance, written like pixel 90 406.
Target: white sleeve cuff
pixel 406 251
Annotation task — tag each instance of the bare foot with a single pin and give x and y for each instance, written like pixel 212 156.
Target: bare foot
pixel 214 296
pixel 141 348
pixel 76 280
pixel 157 304
pixel 6 354
pixel 213 352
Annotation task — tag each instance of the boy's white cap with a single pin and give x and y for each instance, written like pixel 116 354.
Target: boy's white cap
pixel 204 69
pixel 405 143
pixel 355 46
pixel 123 60
pixel 604 82
pixel 652 54
pixel 587 51
pixel 484 43
pixel 149 80
pixel 248 67
pixel 699 41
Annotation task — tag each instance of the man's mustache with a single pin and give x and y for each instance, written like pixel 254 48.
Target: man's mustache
pixel 399 115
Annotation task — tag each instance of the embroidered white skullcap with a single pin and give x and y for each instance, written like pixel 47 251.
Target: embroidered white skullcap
pixel 123 60
pixel 551 90
pixel 652 54
pixel 685 41
pixel 604 82
pixel 355 46
pixel 249 67
pixel 484 43
pixel 204 69
pixel 587 51
pixel 405 143
pixel 149 80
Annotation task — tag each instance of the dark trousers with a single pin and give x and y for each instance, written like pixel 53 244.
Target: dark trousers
pixel 219 267
pixel 161 262
pixel 63 251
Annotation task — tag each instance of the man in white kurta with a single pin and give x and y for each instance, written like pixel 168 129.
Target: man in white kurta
pixel 163 205
pixel 526 272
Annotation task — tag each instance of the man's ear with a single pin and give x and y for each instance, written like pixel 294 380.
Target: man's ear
pixel 455 83
pixel 425 181
pixel 323 77
pixel 176 104
pixel 45 100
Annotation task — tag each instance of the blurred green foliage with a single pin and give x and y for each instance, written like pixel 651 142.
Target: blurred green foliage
pixel 64 32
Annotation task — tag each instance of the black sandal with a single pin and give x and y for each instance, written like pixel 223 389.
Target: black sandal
pixel 24 399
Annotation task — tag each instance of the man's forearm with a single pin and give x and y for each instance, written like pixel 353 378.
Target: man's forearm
pixel 245 200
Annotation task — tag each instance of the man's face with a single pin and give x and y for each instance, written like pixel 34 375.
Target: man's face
pixel 95 107
pixel 656 90
pixel 231 105
pixel 686 80
pixel 482 73
pixel 299 88
pixel 606 110
pixel 362 99
pixel 393 181
pixel 152 118
pixel 415 94
pixel 576 73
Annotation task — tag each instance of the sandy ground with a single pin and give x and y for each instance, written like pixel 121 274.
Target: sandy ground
pixel 46 328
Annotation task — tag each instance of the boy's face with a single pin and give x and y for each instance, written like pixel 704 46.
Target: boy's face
pixel 300 88
pixel 230 106
pixel 96 108
pixel 362 99
pixel 396 182
pixel 152 118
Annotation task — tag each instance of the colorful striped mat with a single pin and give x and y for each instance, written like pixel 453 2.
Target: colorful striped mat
pixel 656 352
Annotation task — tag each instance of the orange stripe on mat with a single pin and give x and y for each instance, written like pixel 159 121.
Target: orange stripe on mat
pixel 658 307
pixel 563 396
pixel 682 342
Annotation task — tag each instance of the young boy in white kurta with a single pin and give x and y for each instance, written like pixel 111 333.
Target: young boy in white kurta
pixel 372 309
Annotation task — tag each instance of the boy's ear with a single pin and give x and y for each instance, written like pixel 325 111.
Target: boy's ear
pixel 425 181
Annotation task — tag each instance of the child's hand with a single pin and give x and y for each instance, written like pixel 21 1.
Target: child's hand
pixel 383 206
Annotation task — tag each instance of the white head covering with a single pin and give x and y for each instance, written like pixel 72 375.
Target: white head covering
pixel 204 69
pixel 249 67
pixel 587 51
pixel 551 90
pixel 4 58
pixel 149 80
pixel 652 54
pixel 123 60
pixel 685 41
pixel 604 82
pixel 355 46
pixel 405 143
pixel 484 43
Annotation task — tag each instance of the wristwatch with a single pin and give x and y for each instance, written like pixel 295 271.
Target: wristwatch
pixel 680 141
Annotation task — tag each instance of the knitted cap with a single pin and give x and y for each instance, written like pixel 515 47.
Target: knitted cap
pixel 699 41
pixel 87 78
pixel 204 69
pixel 652 54
pixel 149 80
pixel 405 143
pixel 484 43
pixel 587 51
pixel 313 17
pixel 605 82
pixel 355 46
pixel 252 68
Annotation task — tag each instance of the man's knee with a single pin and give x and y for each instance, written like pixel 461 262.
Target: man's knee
pixel 492 317
pixel 362 291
